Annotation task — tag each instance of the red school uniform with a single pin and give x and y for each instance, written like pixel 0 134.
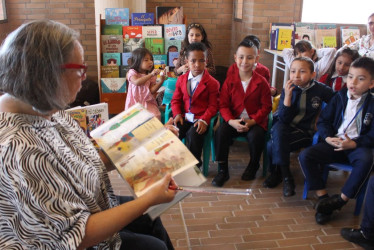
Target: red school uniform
pixel 204 102
pixel 340 82
pixel 256 100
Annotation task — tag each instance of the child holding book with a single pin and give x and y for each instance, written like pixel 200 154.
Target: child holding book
pixel 142 81
pixel 245 103
pixel 347 129
pixel 195 33
pixel 336 77
pixel 195 100
pixel 299 106
pixel 321 57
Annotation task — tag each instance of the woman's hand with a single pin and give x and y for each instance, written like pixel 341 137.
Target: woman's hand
pixel 163 191
pixel 169 125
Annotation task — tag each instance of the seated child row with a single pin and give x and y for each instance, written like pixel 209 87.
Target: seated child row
pixel 244 102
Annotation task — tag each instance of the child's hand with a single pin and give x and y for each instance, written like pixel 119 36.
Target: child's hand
pixel 163 75
pixel 185 68
pixel 346 144
pixel 201 127
pixel 178 119
pixel 239 125
pixel 155 72
pixel 169 125
pixel 334 141
pixel 288 93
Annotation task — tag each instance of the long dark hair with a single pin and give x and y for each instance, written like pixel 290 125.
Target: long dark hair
pixel 205 40
pixel 137 57
pixel 353 54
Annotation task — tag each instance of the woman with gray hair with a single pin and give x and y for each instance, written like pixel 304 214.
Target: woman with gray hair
pixel 54 188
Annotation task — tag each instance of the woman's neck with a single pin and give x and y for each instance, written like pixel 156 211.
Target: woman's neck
pixel 11 104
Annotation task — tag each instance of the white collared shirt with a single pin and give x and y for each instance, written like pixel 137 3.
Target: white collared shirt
pixel 194 79
pixel 245 86
pixel 350 129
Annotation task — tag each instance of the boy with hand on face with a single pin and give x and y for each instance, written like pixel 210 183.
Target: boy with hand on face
pixel 195 100
pixel 347 129
pixel 299 106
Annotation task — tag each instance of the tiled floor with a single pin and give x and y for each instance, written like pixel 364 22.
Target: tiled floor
pixel 263 220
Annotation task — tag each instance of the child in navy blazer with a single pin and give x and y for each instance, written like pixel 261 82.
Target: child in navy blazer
pixel 347 129
pixel 299 106
pixel 195 100
pixel 245 103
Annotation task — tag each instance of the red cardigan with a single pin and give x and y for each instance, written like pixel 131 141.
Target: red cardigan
pixel 256 100
pixel 204 103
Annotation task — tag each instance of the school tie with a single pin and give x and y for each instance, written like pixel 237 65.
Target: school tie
pixel 338 83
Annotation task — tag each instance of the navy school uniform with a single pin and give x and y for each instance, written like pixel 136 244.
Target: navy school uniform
pixel 361 158
pixel 294 127
pixel 367 223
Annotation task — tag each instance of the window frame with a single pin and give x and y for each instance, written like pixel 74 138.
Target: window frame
pixel 237 11
pixel 3 15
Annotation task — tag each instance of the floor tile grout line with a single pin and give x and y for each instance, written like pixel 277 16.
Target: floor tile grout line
pixel 185 226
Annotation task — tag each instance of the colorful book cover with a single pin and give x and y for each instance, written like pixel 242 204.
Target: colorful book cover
pixel 155 45
pixel 169 15
pixel 284 39
pixel 111 30
pixel 123 71
pixel 126 58
pixel 109 71
pixel 173 45
pixel 349 34
pixel 274 33
pixel 172 56
pixel 160 61
pixel 174 31
pixel 324 30
pixel 111 44
pixel 79 115
pixel 97 115
pixel 329 42
pixel 112 59
pixel 305 31
pixel 132 32
pixel 132 44
pixel 153 31
pixel 141 19
pixel 117 16
pixel 113 85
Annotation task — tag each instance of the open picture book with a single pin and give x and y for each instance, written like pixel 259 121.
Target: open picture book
pixel 143 151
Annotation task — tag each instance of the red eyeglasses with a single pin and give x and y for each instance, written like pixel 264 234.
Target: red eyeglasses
pixel 82 67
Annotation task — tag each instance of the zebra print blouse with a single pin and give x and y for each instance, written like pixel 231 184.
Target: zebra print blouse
pixel 51 180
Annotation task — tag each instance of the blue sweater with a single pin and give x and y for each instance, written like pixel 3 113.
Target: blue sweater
pixel 331 119
pixel 305 106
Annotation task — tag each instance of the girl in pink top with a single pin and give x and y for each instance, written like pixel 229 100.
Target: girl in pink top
pixel 142 81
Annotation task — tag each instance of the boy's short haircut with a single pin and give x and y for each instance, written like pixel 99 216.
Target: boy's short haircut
pixel 254 39
pixel 366 63
pixel 196 47
pixel 307 60
pixel 248 44
pixel 302 46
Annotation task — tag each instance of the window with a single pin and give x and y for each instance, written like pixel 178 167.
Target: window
pixel 3 17
pixel 238 10
pixel 337 11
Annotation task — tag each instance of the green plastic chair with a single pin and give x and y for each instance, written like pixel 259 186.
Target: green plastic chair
pixel 168 95
pixel 265 158
pixel 208 140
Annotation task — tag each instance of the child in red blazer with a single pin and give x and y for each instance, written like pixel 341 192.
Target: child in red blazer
pixel 195 100
pixel 245 103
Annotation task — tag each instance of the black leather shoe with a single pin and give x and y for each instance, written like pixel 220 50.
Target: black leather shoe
pixel 273 180
pixel 220 178
pixel 357 236
pixel 328 205
pixel 288 187
pixel 249 174
pixel 322 219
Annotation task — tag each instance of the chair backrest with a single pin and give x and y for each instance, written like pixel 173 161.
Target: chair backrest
pixel 169 89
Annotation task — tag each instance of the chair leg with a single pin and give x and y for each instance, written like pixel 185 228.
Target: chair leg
pixel 306 189
pixel 360 200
